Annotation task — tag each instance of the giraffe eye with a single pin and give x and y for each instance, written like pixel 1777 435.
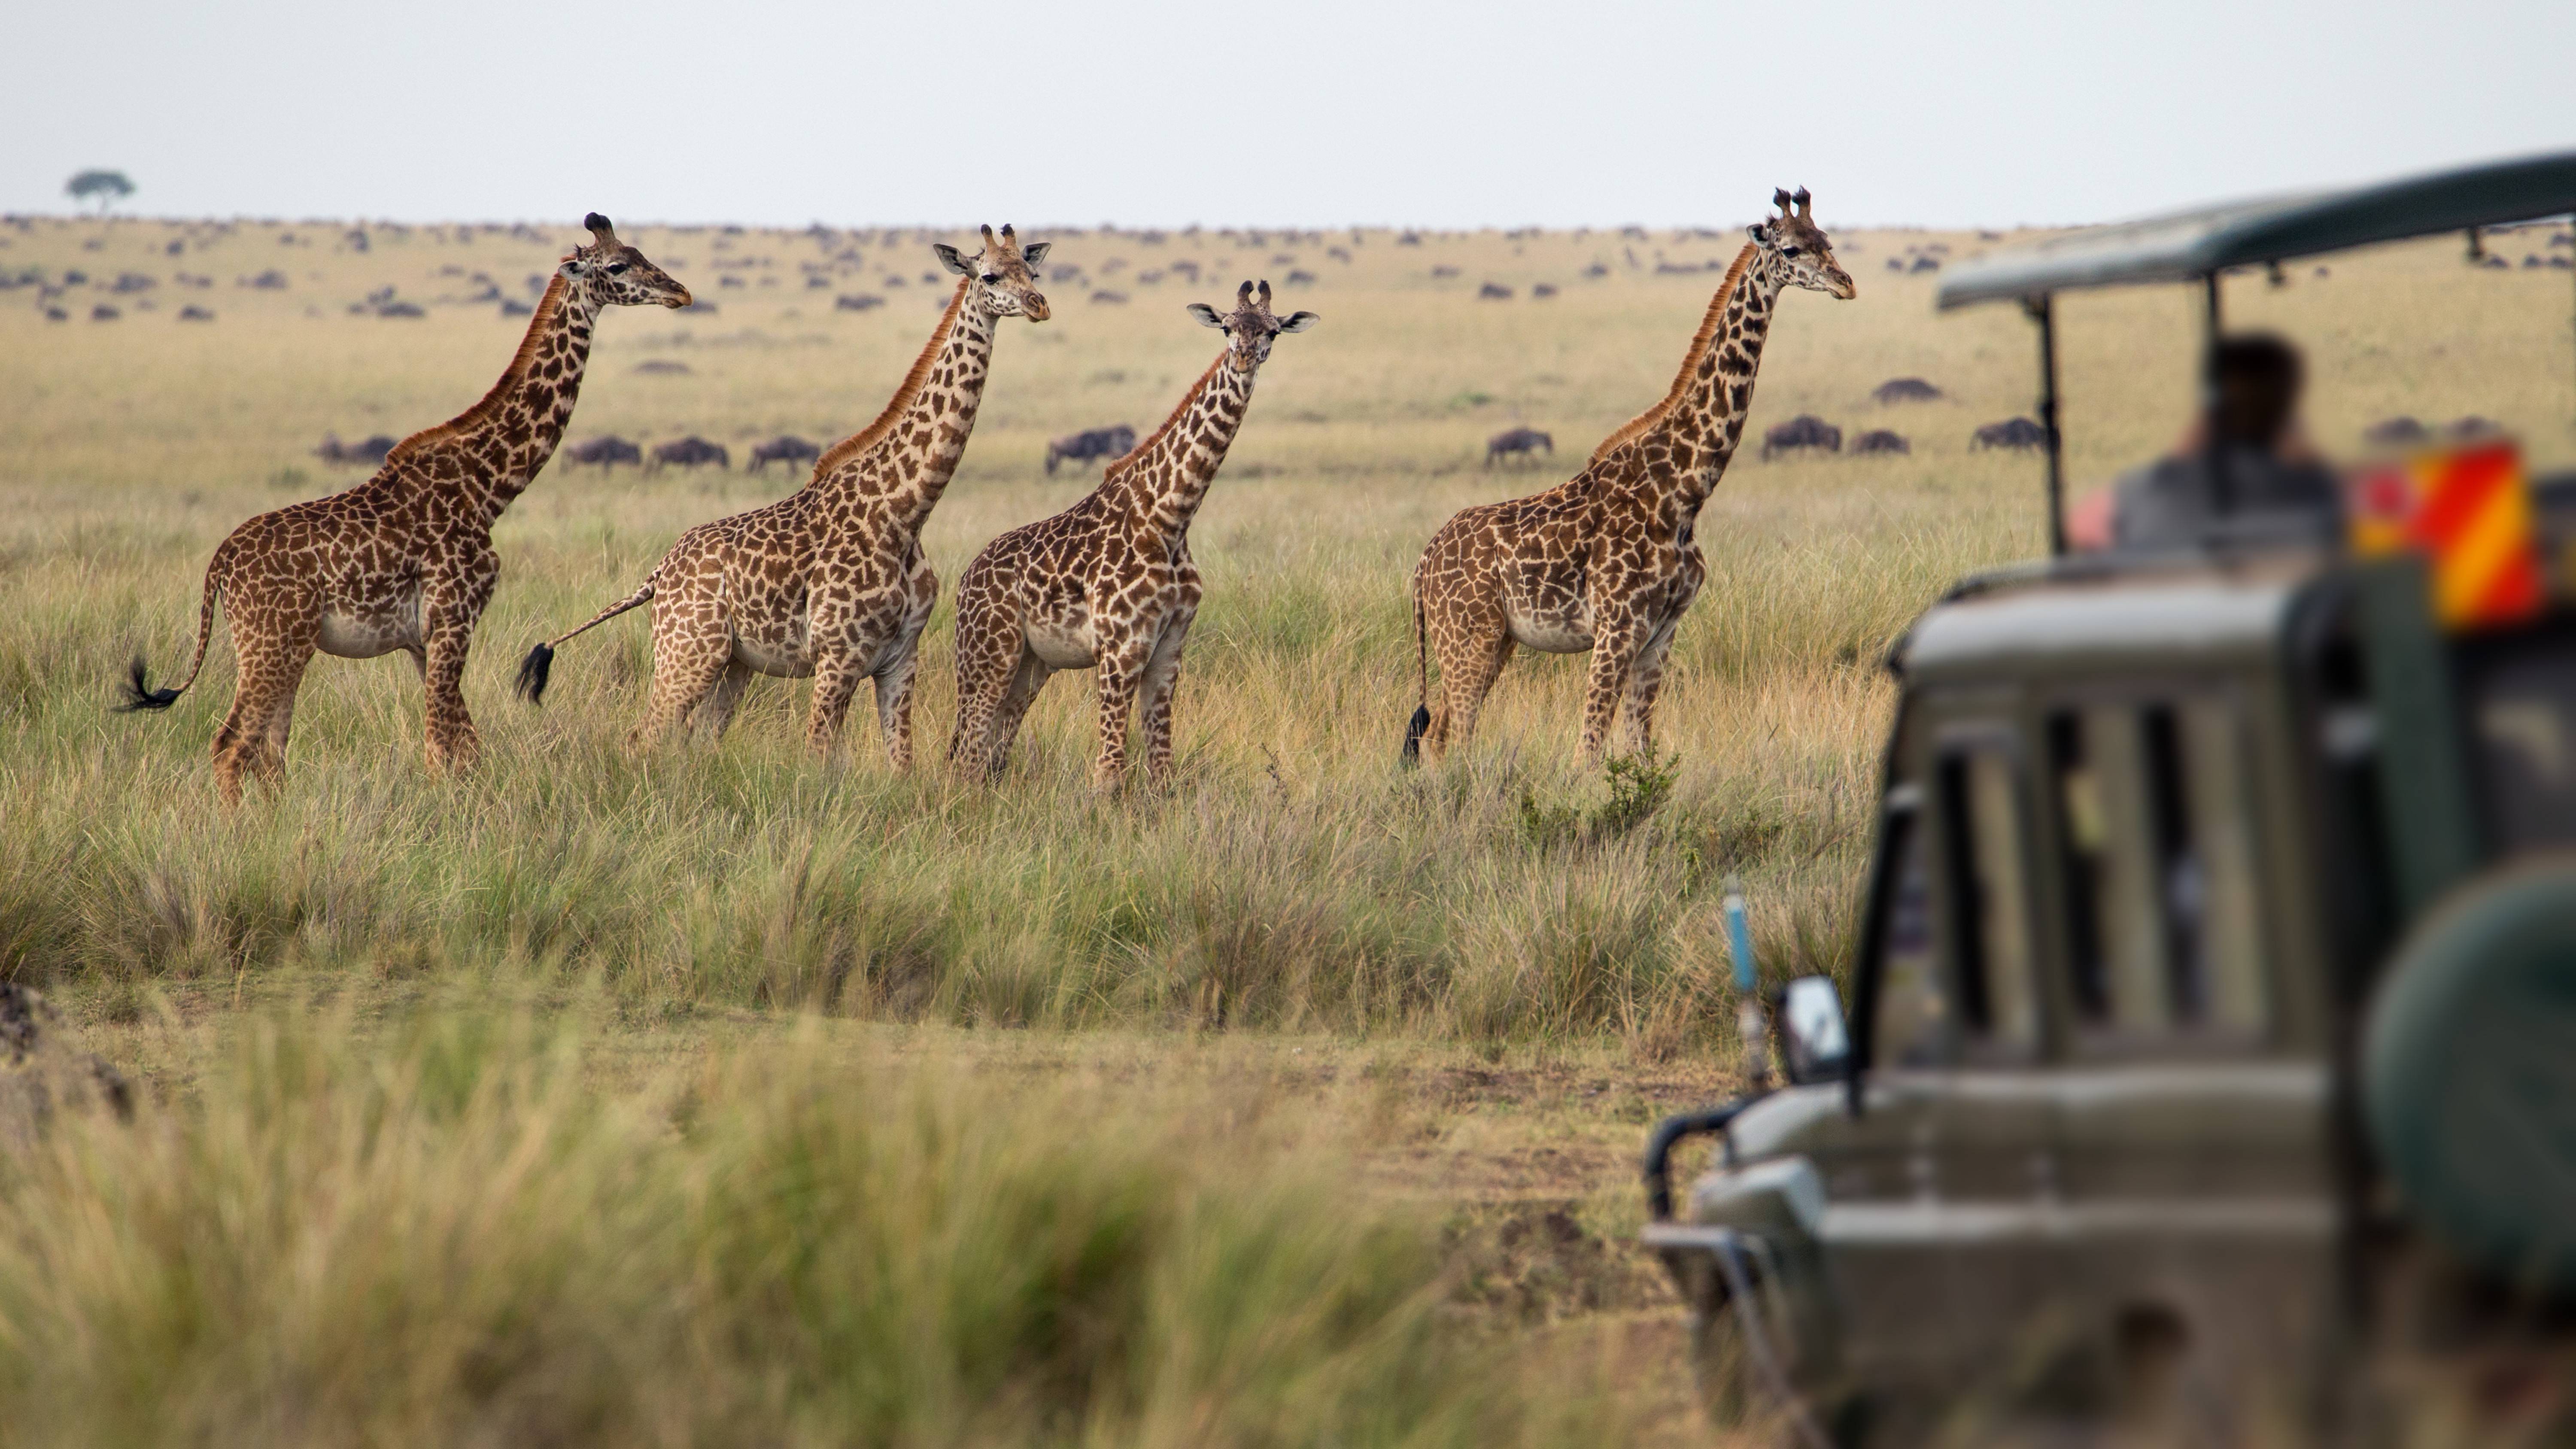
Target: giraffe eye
pixel 1788 251
pixel 615 267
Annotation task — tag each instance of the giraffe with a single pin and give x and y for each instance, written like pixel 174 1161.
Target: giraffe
pixel 1109 581
pixel 1606 561
pixel 404 560
pixel 829 581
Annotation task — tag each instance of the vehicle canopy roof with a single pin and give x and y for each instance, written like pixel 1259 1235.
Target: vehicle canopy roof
pixel 2198 243
pixel 2094 617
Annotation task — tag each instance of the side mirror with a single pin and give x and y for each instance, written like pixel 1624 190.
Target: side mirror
pixel 1815 1046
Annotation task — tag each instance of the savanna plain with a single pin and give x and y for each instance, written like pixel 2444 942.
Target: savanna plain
pixel 724 1094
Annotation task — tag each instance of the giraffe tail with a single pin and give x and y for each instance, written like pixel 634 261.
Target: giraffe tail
pixel 540 663
pixel 1421 721
pixel 139 693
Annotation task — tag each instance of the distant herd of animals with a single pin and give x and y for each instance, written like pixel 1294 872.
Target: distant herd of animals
pixel 1803 433
pixel 831 581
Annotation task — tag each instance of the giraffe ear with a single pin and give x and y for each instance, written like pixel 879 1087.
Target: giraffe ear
pixel 1206 314
pixel 1760 231
pixel 949 258
pixel 1299 322
pixel 1035 252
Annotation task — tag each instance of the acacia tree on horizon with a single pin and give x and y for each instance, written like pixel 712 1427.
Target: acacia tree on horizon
pixel 109 187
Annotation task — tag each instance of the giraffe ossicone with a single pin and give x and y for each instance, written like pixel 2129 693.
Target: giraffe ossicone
pixel 829 581
pixel 1108 584
pixel 1608 561
pixel 404 560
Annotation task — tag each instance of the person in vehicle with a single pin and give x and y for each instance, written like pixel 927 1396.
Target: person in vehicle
pixel 2261 484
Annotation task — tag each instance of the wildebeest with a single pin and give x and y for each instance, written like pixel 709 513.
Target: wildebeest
pixel 606 451
pixel 2471 427
pixel 1880 440
pixel 1806 430
pixel 2394 432
pixel 195 314
pixel 1493 292
pixel 1093 443
pixel 662 367
pixel 369 453
pixel 689 452
pixel 785 448
pixel 1906 389
pixel 2010 433
pixel 1518 442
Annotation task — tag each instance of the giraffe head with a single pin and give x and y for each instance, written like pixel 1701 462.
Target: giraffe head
pixel 1794 247
pixel 613 274
pixel 1002 278
pixel 1250 327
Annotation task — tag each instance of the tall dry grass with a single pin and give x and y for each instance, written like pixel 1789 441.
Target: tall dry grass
pixel 1293 877
pixel 476 1223
pixel 447 1229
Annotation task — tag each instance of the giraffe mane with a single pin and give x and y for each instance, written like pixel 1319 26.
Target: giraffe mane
pixel 913 381
pixel 1700 343
pixel 526 357
pixel 1125 462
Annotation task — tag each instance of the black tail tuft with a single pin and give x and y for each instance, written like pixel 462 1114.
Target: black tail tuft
pixel 139 696
pixel 1413 730
pixel 533 671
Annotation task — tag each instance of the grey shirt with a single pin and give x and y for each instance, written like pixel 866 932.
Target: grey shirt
pixel 2173 503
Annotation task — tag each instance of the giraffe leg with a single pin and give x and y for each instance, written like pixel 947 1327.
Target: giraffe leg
pixel 281 716
pixel 1615 647
pixel 270 670
pixel 229 742
pixel 1019 691
pixel 894 707
pixel 989 654
pixel 450 742
pixel 715 713
pixel 1645 681
pixel 1161 682
pixel 836 679
pixel 1121 672
pixel 1470 661
pixel 688 665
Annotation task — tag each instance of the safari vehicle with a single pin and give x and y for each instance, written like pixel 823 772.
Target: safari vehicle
pixel 2212 1043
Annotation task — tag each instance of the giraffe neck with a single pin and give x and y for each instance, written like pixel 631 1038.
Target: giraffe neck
pixel 501 443
pixel 901 463
pixel 1714 393
pixel 1166 478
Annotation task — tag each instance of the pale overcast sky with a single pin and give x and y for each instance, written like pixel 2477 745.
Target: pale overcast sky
pixel 1986 112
